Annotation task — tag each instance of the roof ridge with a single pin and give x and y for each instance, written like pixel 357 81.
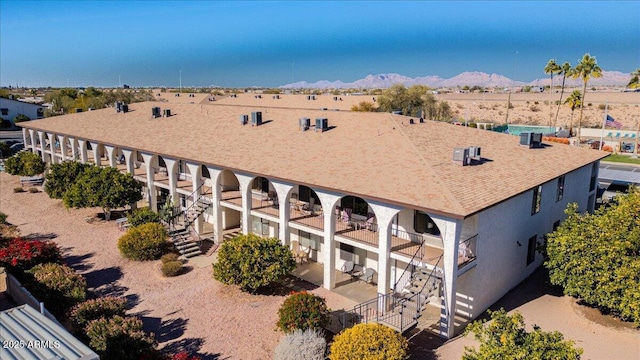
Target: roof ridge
pixel 450 196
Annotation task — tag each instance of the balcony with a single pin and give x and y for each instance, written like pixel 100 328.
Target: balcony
pixel 161 178
pixel 300 214
pixel 265 203
pixel 230 195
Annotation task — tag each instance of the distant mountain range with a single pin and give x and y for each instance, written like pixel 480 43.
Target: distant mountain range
pixel 470 78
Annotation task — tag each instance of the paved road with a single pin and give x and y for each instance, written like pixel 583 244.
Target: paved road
pixel 616 171
pixel 10 135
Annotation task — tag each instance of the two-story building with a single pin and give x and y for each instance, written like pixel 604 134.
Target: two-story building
pixel 375 189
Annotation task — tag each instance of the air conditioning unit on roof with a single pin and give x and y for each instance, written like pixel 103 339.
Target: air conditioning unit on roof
pixel 461 155
pixel 322 124
pixel 305 123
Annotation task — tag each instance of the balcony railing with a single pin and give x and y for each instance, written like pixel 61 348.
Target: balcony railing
pixel 467 251
pixel 359 230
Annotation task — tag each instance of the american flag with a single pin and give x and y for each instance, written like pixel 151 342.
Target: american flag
pixel 611 122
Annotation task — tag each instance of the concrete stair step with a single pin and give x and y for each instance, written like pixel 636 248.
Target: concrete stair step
pixel 192 253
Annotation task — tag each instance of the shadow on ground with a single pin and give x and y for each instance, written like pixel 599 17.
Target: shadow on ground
pixel 191 346
pixel 77 262
pixel 40 236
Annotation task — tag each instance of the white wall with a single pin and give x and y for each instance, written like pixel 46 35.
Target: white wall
pixel 15 107
pixel 501 261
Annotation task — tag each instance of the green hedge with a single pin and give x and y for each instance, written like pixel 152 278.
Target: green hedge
pixel 144 242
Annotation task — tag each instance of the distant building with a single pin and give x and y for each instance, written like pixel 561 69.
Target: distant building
pixel 10 108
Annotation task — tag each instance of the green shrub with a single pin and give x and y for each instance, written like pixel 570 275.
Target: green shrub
pixel 143 216
pixel 105 307
pixel 169 257
pixel 301 345
pixel 34 190
pixel 20 118
pixel 302 311
pixel 3 218
pixel 369 342
pixel 62 176
pixel 58 286
pixel 171 268
pixel 251 262
pixel 25 163
pixel 505 337
pixel 119 338
pixel 18 190
pixel 144 242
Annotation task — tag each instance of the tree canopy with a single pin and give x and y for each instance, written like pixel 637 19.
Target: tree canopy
pixel 505 337
pixel 25 163
pixel 597 257
pixel 62 176
pixel 106 187
pixel 412 101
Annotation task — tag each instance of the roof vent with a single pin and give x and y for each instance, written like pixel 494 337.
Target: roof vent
pixel 155 112
pixel 78 110
pixel 244 119
pixel 411 121
pixel 335 98
pixel 532 140
pixel 118 106
pixel 256 118
pixel 166 112
pixel 397 112
pixel 305 123
pixel 276 97
pixel 125 108
pixel 322 124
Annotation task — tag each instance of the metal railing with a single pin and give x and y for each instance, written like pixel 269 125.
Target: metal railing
pixel 358 230
pixel 467 250
pixel 406 274
pixel 414 239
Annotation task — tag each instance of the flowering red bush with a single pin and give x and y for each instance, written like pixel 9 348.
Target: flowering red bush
pixel 303 310
pixel 183 355
pixel 21 254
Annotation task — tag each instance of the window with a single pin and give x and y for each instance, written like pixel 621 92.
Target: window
pixel 306 194
pixel 594 177
pixel 537 199
pixel 560 192
pixel 307 240
pixel 423 224
pixel 347 248
pixel 261 184
pixel 4 111
pixel 531 249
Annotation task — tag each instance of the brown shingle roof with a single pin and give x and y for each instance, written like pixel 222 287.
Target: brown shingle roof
pixel 373 155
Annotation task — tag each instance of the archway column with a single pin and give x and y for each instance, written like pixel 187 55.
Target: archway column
pixel 25 136
pixel 172 171
pixel 97 159
pixel 196 182
pixel 111 152
pixel 41 136
pixel 32 135
pixel 216 196
pixel 247 203
pixel 62 139
pixel 128 159
pixel 384 216
pixel 52 148
pixel 151 187
pixel 82 144
pixel 283 190
pixel 329 201
pixel 451 231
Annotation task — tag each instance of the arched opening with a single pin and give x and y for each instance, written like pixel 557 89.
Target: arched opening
pixel 230 202
pixel 264 197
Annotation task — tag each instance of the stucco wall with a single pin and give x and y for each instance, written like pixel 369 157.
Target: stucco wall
pixel 503 233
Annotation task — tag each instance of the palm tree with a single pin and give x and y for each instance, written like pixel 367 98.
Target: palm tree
pixel 574 100
pixel 586 68
pixel 566 70
pixel 635 79
pixel 551 69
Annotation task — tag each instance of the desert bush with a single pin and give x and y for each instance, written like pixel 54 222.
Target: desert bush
pixel 25 163
pixel 58 286
pixel 19 254
pixel 369 342
pixel 505 337
pixel 301 345
pixel 534 108
pixel 169 257
pixel 106 307
pixel 302 311
pixel 119 338
pixel 143 216
pixel 3 218
pixel 62 176
pixel 171 268
pixel 34 190
pixel 18 190
pixel 144 242
pixel 251 262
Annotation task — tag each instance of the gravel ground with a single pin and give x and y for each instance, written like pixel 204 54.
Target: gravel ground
pixel 193 311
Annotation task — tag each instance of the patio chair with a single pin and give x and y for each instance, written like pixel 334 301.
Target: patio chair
pixel 299 255
pixel 346 215
pixel 369 223
pixel 347 267
pixel 367 276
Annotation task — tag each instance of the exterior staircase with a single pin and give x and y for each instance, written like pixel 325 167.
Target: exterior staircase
pixel 401 309
pixel 180 226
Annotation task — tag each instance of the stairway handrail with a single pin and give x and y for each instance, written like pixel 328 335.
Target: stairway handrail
pixel 395 286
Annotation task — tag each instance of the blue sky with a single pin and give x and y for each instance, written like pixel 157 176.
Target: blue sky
pixel 260 43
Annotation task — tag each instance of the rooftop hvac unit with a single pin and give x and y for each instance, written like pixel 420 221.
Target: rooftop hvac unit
pixel 256 118
pixel 155 112
pixel 166 112
pixel 305 123
pixel 118 106
pixel 411 121
pixel 322 124
pixel 244 119
pixel 125 108
pixel 308 97
pixel 474 153
pixel 461 155
pixel 421 120
pixel 532 140
pixel 525 139
pixel 335 98
pixel 78 110
pixel 397 112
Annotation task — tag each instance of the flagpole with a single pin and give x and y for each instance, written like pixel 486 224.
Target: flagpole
pixel 604 123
